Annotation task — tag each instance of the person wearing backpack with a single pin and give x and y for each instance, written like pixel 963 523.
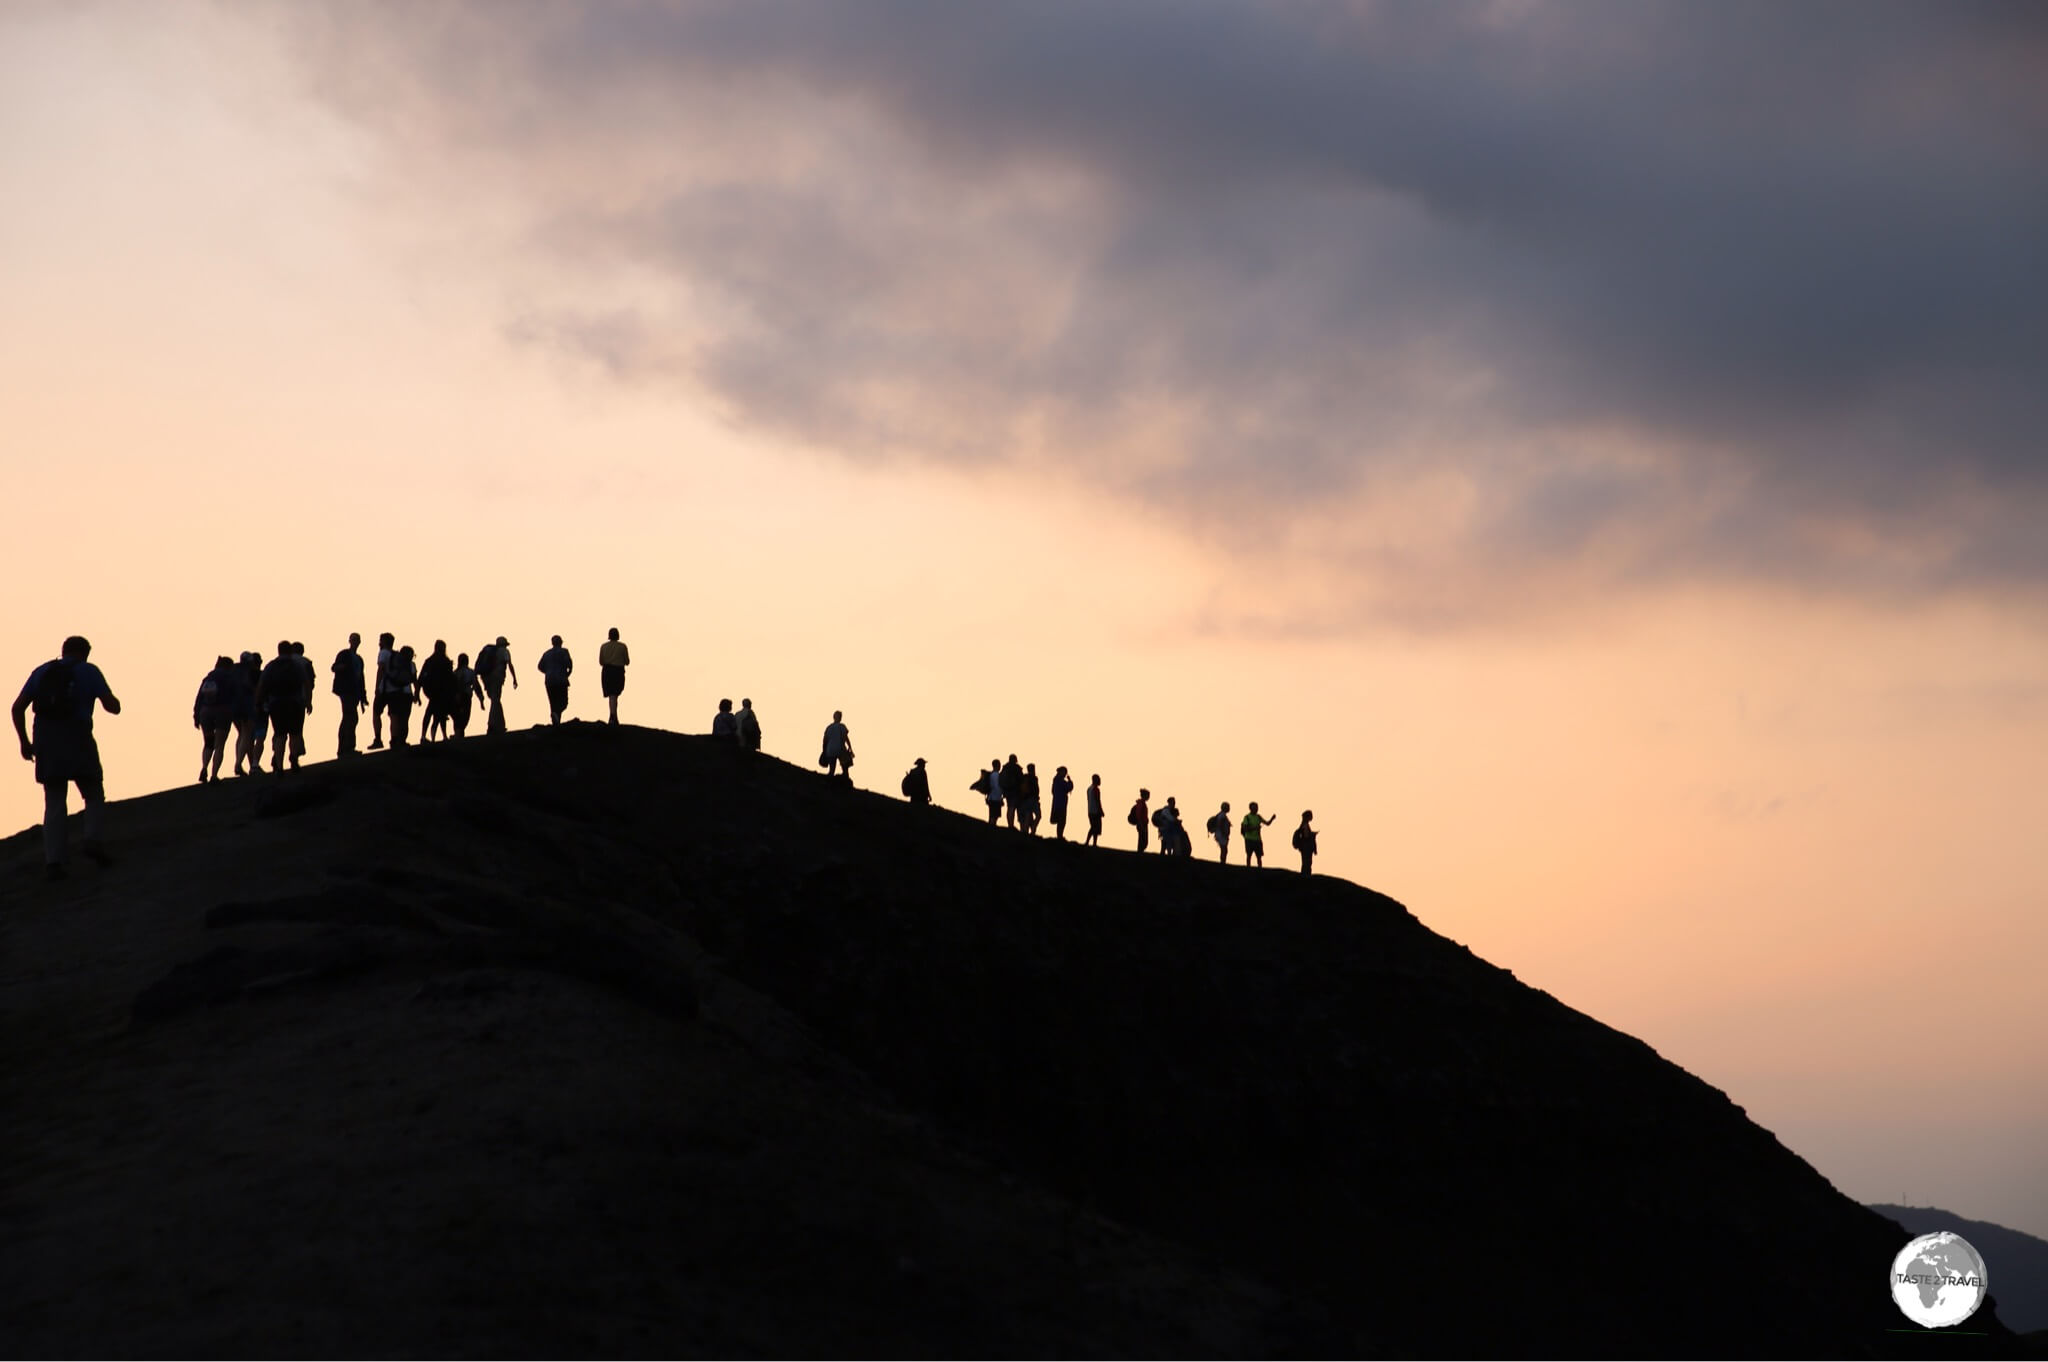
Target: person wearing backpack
pixel 1140 819
pixel 989 785
pixel 350 693
pixel 555 666
pixel 917 786
pixel 1305 842
pixel 468 691
pixel 612 661
pixel 213 714
pixel 1253 827
pixel 1094 811
pixel 62 693
pixel 1219 828
pixel 437 684
pixel 1062 786
pixel 493 665
pixel 1167 820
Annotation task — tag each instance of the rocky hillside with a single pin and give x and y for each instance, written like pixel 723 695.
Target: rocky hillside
pixel 614 1042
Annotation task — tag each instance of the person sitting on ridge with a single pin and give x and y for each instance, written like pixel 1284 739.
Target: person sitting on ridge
pixel 612 661
pixel 725 725
pixel 555 666
pixel 917 786
pixel 1252 827
pixel 62 693
pixel 837 756
pixel 1305 842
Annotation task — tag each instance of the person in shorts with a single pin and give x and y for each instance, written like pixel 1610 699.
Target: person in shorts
pixel 62 693
pixel 612 661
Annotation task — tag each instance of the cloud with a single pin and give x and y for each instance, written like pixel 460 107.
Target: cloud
pixel 1601 293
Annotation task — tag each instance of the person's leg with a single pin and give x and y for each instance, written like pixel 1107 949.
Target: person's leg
pixel 494 722
pixel 1308 859
pixel 94 794
pixel 279 741
pixel 222 736
pixel 377 707
pixel 615 707
pixel 345 739
pixel 400 708
pixel 55 813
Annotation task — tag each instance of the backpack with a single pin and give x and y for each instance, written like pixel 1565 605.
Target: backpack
pixel 486 659
pixel 906 785
pixel 1218 824
pixel 53 698
pixel 1136 817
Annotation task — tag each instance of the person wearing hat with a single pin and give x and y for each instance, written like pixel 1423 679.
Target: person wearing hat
pixel 917 787
pixel 493 665
pixel 1062 786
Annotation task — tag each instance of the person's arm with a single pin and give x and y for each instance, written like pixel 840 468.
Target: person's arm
pixel 568 664
pixel 511 671
pixel 28 750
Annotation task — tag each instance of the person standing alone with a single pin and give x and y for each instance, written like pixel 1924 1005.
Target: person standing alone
pixel 555 666
pixel 1094 811
pixel 350 692
pixel 612 661
pixel 1305 842
pixel 837 756
pixel 62 693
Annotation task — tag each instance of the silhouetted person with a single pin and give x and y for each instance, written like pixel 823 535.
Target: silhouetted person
pixel 1167 820
pixel 1095 811
pixel 1030 792
pixel 213 714
pixel 917 787
pixel 1254 828
pixel 493 665
pixel 750 727
pixel 62 693
pixel 725 725
pixel 555 666
pixel 468 691
pixel 401 690
pixel 612 661
pixel 1011 782
pixel 989 785
pixel 1305 842
pixel 1219 828
pixel 1062 786
pixel 837 756
pixel 249 717
pixel 350 692
pixel 1140 818
pixel 281 695
pixel 311 682
pixel 380 693
pixel 437 684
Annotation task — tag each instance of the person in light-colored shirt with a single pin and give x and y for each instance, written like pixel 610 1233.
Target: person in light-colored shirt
pixel 612 661
pixel 62 692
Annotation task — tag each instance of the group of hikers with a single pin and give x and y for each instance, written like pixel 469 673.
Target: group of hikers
pixel 1013 794
pixel 243 699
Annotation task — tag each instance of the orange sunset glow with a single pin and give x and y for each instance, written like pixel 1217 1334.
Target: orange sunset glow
pixel 1620 522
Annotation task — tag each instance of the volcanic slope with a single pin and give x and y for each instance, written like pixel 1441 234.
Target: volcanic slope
pixel 615 1041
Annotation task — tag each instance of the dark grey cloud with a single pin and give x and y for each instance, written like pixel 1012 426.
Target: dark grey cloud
pixel 1794 250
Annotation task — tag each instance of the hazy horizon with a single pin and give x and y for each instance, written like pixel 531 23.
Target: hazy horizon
pixel 1601 474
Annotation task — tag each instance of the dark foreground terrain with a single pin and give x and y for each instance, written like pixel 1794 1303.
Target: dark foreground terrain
pixel 590 1042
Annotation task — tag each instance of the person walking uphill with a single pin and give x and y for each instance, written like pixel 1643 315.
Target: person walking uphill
pixel 349 692
pixel 213 714
pixel 917 786
pixel 837 756
pixel 493 665
pixel 1305 842
pixel 1254 843
pixel 62 693
pixel 555 666
pixel 612 661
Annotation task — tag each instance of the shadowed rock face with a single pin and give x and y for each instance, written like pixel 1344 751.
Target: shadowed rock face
pixel 594 1041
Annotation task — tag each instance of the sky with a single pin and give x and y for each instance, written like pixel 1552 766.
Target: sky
pixel 1592 455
